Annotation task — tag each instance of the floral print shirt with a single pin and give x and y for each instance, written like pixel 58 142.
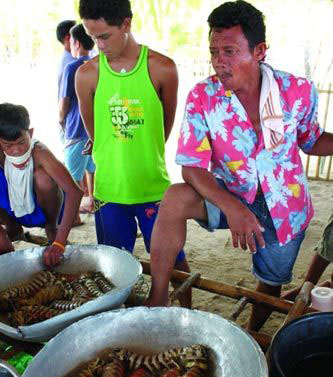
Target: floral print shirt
pixel 217 134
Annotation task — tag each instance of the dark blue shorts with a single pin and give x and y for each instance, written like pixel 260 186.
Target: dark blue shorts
pixel 116 225
pixel 35 219
pixel 272 264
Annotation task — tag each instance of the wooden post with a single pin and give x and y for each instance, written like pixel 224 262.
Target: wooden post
pixel 278 304
pixel 264 340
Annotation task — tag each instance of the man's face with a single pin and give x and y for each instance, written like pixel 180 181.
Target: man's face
pixel 17 147
pixel 232 59
pixel 111 40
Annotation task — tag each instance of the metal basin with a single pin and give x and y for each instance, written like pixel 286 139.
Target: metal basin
pixel 235 352
pixel 118 265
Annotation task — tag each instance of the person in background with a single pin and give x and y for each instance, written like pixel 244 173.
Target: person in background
pixel 239 151
pixel 127 96
pixel 320 261
pixel 32 185
pixel 76 137
pixel 63 36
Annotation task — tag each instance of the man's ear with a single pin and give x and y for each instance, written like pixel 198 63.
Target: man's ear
pixel 31 132
pixel 127 24
pixel 260 51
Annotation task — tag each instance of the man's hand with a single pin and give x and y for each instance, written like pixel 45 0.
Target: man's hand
pixel 245 228
pixel 88 147
pixel 52 255
pixel 62 123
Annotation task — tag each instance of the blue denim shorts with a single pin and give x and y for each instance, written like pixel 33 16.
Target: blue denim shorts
pixel 272 264
pixel 76 162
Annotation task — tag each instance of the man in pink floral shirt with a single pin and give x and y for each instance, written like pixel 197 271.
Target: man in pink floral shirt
pixel 239 151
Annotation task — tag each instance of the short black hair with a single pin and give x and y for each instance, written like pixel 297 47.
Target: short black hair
pixel 239 12
pixel 113 12
pixel 79 34
pixel 63 29
pixel 13 120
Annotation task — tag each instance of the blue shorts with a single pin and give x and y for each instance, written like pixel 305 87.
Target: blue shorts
pixel 35 219
pixel 76 162
pixel 116 225
pixel 272 264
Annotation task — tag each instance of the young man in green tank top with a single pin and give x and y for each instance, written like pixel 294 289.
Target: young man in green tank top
pixel 127 97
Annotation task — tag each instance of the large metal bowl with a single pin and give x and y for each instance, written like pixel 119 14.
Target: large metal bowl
pixel 235 352
pixel 118 265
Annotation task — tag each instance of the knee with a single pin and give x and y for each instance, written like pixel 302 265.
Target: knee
pixel 179 198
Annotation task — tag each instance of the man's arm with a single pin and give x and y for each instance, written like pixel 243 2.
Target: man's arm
pixel 242 222
pixel 168 92
pixel 85 85
pixel 63 110
pixel 56 170
pixel 66 92
pixel 164 76
pixel 323 146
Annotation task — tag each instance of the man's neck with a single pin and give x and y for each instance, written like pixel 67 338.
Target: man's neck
pixel 82 53
pixel 129 53
pixel 251 91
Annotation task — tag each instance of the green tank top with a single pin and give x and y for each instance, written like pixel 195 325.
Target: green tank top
pixel 129 143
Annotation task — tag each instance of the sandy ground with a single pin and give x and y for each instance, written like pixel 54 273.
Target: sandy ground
pixel 213 256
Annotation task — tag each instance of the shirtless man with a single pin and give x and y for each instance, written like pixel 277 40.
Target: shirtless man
pixel 32 183
pixel 127 97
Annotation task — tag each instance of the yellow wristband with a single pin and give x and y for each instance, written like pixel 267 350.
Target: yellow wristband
pixel 60 245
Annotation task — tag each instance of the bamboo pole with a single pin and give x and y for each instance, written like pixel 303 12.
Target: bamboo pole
pixel 301 301
pixel 297 309
pixel 186 284
pixel 278 304
pixel 238 308
pixel 307 166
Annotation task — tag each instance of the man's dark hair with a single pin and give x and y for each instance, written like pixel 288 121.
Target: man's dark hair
pixel 113 12
pixel 63 29
pixel 79 34
pixel 239 12
pixel 13 120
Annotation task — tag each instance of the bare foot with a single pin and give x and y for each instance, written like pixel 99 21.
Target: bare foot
pixel 290 294
pixel 78 223
pixel 15 231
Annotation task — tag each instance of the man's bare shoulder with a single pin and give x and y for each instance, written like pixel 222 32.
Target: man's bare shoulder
pixel 160 60
pixel 41 153
pixel 89 69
